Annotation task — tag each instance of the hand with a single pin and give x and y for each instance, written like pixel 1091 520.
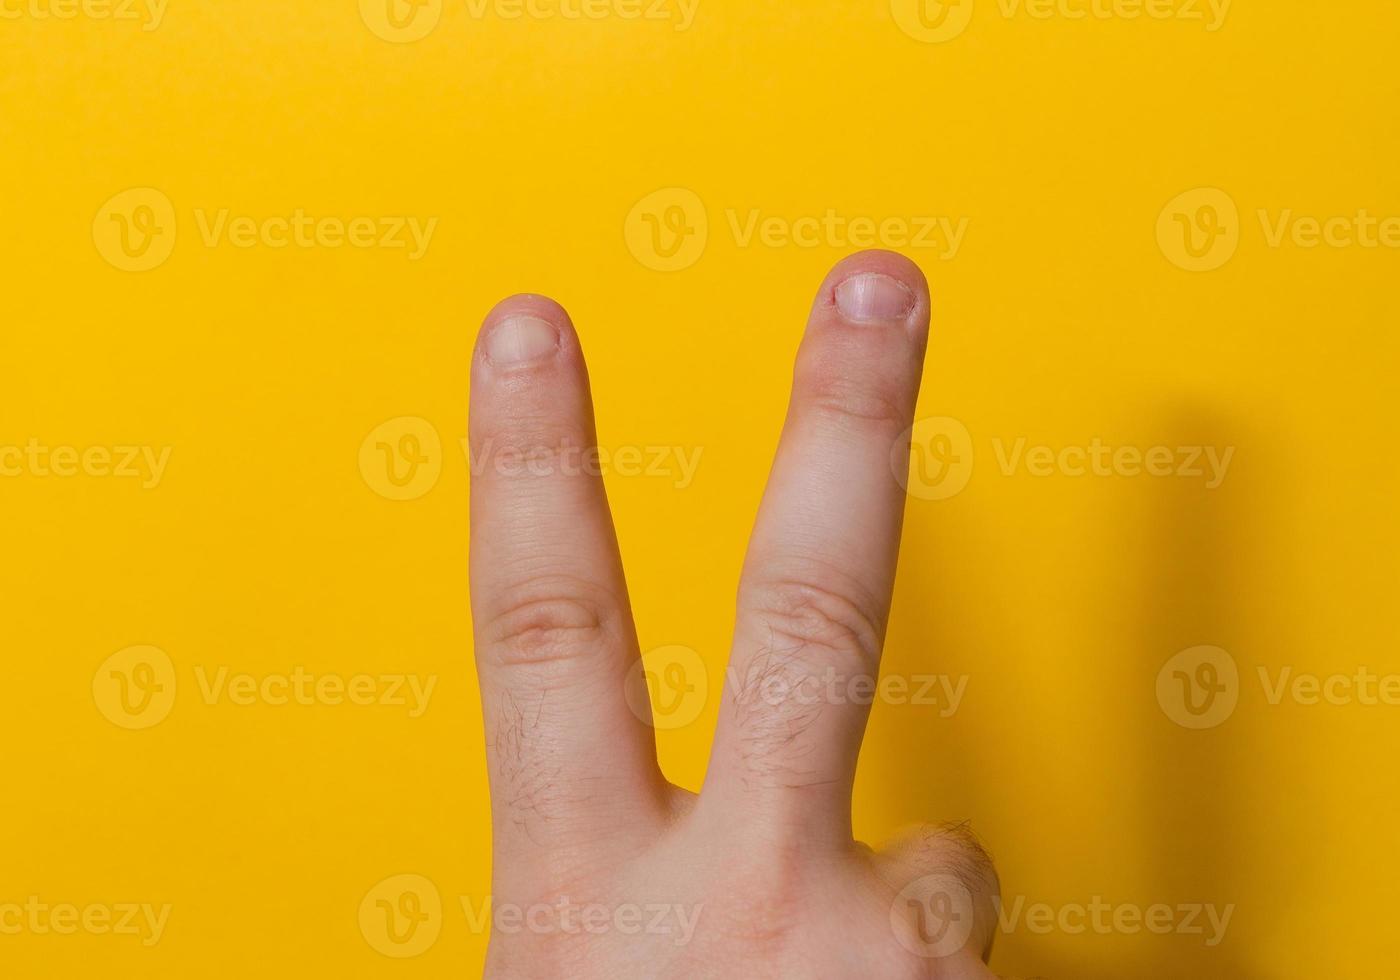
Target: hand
pixel 602 868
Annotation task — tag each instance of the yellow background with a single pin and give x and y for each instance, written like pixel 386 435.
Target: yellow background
pixel 1060 320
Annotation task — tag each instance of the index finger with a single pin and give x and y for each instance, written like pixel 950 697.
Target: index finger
pixel 553 627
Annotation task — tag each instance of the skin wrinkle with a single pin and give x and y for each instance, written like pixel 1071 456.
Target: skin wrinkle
pixel 836 400
pixel 819 585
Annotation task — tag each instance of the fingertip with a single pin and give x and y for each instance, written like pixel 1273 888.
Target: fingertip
pixel 875 287
pixel 524 331
pixel 533 304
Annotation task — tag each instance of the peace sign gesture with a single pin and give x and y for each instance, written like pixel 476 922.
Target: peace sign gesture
pixel 603 869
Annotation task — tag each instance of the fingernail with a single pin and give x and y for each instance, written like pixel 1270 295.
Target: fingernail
pixel 519 340
pixel 873 298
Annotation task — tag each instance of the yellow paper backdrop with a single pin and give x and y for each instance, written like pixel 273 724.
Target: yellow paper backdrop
pixel 1148 223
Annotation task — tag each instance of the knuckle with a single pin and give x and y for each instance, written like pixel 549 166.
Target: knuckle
pixel 817 629
pixel 929 855
pixel 868 398
pixel 532 447
pixel 549 625
pixel 951 848
pixel 803 614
